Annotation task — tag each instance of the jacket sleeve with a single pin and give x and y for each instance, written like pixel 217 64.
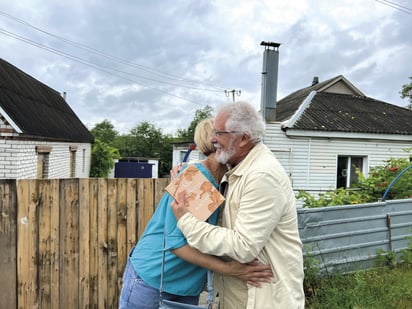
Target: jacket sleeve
pixel 261 205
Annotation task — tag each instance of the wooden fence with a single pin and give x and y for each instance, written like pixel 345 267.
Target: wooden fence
pixel 64 242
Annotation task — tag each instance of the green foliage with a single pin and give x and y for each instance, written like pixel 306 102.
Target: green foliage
pixel 406 254
pixel 388 286
pixel 147 141
pixel 187 135
pixel 144 140
pixel 311 279
pixel 385 258
pixel 369 189
pixel 105 132
pixel 406 92
pixel 103 159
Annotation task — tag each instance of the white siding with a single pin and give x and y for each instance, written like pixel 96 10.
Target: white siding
pixel 18 159
pixel 179 153
pixel 311 163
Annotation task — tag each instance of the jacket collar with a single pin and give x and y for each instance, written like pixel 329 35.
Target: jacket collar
pixel 243 165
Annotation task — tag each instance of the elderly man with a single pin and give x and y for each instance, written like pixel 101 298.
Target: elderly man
pixel 259 219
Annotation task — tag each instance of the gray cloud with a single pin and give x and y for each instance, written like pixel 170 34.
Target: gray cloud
pixel 160 61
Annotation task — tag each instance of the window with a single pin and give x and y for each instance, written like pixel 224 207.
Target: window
pixel 73 150
pixel 346 171
pixel 72 164
pixel 43 161
pixel 83 160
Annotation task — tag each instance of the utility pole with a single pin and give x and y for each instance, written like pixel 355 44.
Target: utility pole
pixel 233 92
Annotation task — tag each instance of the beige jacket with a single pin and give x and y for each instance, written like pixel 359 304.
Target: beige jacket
pixel 259 221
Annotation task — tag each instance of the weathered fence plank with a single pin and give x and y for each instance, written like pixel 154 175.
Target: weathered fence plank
pixel 69 249
pixel 122 247
pixel 8 243
pixel 84 243
pixel 131 215
pixel 54 242
pixel 27 199
pixel 112 203
pixel 102 243
pixel 94 244
pixel 44 257
pixel 145 203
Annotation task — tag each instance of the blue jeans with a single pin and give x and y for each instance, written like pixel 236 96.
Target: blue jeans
pixel 137 294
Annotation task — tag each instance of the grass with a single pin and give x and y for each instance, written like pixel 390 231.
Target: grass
pixel 380 288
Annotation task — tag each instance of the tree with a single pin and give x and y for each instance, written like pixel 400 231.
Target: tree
pixel 406 92
pixel 146 140
pixel 103 159
pixel 103 152
pixel 105 132
pixel 200 114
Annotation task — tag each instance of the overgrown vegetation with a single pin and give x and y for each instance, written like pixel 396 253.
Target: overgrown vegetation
pixel 387 286
pixel 103 159
pixel 370 189
pixel 406 92
pixel 144 140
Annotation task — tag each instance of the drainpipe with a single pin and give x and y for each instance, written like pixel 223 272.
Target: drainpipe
pixel 269 80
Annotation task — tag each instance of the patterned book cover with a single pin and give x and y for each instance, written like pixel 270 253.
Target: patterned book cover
pixel 201 196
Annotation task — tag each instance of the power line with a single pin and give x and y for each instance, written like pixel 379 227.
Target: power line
pixel 395 5
pixel 97 52
pixel 105 55
pixel 88 63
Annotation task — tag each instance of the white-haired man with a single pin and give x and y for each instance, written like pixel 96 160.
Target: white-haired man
pixel 259 219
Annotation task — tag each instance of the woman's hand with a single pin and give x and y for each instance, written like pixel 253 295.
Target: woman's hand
pixel 175 170
pixel 253 273
pixel 178 206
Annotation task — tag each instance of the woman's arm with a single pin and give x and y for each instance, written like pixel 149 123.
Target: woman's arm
pixel 254 274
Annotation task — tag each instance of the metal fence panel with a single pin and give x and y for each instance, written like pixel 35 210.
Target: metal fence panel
pixel 348 238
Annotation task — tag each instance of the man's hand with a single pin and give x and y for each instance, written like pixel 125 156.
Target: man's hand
pixel 179 206
pixel 253 273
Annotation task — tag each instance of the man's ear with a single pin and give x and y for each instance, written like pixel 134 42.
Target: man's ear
pixel 244 141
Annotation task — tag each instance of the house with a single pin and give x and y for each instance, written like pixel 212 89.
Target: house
pixel 185 151
pixel 323 133
pixel 40 135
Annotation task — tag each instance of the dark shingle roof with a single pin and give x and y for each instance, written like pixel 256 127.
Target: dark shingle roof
pixel 347 113
pixel 38 110
pixel 286 107
pixel 344 113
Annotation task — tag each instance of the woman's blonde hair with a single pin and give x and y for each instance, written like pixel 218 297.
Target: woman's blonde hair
pixel 203 134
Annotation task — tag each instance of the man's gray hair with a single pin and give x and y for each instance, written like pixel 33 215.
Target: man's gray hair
pixel 244 118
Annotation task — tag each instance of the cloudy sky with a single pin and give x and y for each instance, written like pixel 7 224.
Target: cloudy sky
pixel 130 61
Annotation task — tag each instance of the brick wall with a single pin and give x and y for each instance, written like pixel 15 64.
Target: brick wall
pixel 18 159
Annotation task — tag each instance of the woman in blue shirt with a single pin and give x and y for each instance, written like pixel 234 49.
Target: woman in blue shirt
pixel 185 268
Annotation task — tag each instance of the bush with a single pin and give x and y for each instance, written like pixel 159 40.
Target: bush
pixel 367 190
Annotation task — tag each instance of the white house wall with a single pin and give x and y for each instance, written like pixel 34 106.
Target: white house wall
pixel 179 153
pixel 311 163
pixel 18 159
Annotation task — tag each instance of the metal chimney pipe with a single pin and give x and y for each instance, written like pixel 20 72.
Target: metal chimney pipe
pixel 269 80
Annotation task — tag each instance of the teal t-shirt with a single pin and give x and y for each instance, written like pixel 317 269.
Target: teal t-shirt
pixel 180 277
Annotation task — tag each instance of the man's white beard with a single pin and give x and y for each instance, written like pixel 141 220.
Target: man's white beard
pixel 223 156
